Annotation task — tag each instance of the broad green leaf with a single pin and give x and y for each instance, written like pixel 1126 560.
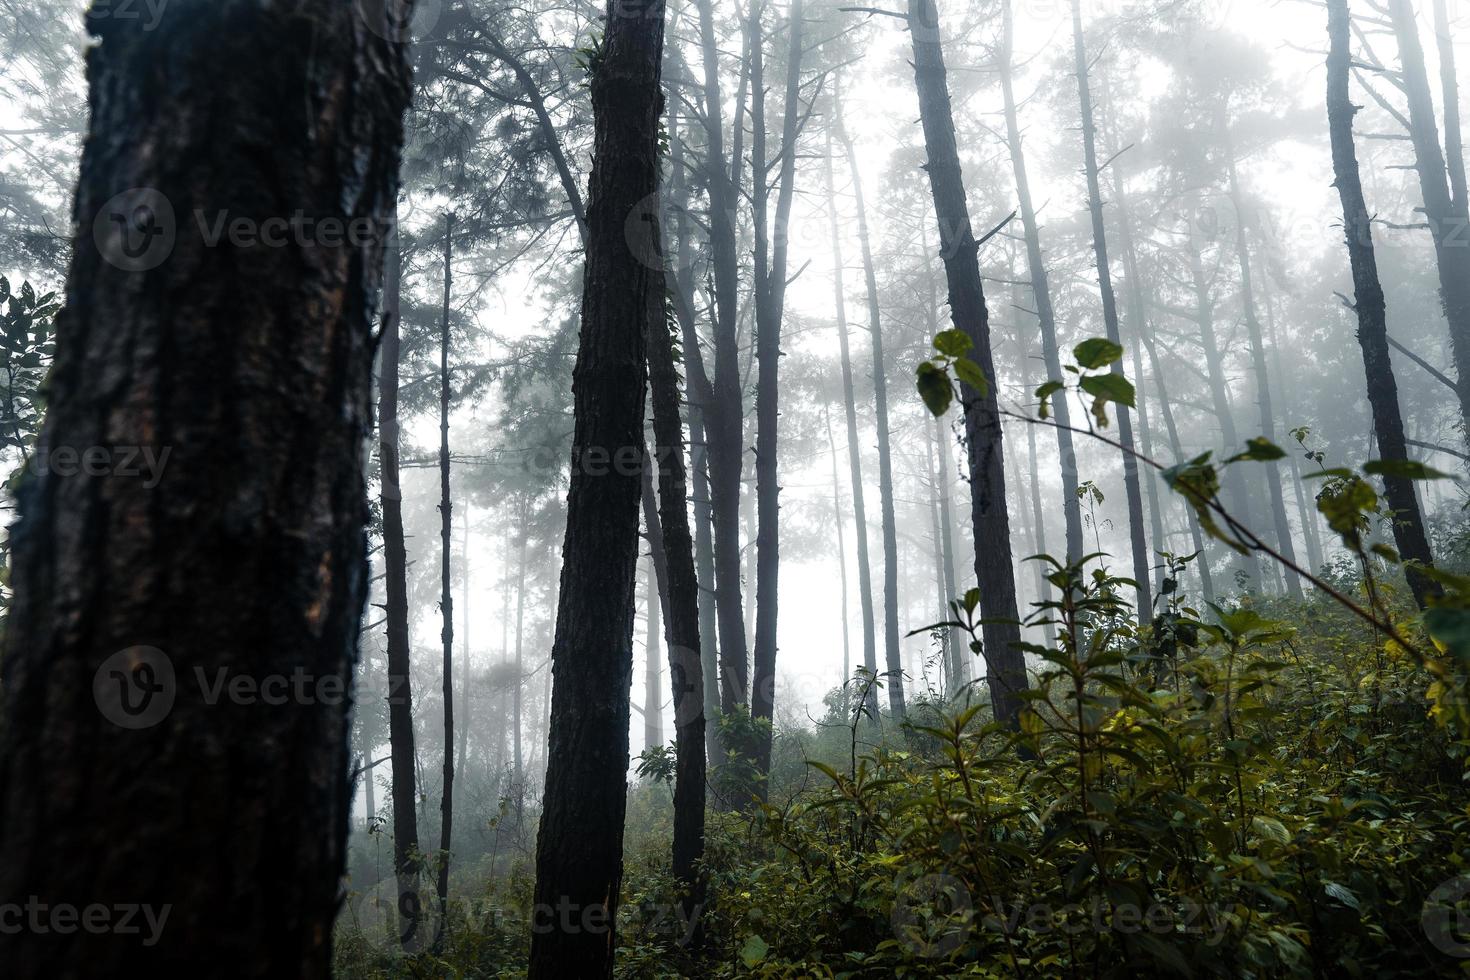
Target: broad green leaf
pixel 971 375
pixel 1045 392
pixel 1109 387
pixel 1403 469
pixel 952 343
pixel 935 388
pixel 754 950
pixel 1260 450
pixel 1097 352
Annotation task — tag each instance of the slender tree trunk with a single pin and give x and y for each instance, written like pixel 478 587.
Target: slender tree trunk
pixel 723 413
pixel 1038 516
pixel 446 599
pixel 959 652
pixel 854 445
pixel 1041 289
pixel 1131 486
pixel 1446 215
pixel 579 844
pixel 406 859
pixel 892 646
pixel 941 591
pixel 1306 513
pixel 517 696
pixel 682 618
pixel 464 671
pixel 1258 362
pixel 1388 424
pixel 770 300
pixel 247 373
pixel 700 394
pixel 1239 499
pixel 841 542
pixel 1450 94
pixel 1005 663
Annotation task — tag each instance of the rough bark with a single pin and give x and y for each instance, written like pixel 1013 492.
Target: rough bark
pixel 854 446
pixel 252 367
pixel 1132 490
pixel 1005 663
pixel 1041 290
pixel 892 646
pixel 1388 424
pixel 406 862
pixel 579 844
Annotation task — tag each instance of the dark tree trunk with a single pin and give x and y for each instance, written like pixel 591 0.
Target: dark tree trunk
pixel 1131 487
pixel 682 618
pixel 1041 289
pixel 446 598
pixel 123 780
pixel 1446 216
pixel 892 647
pixel 1388 424
pixel 700 394
pixel 395 609
pixel 579 845
pixel 723 413
pixel 1450 92
pixel 854 445
pixel 1005 663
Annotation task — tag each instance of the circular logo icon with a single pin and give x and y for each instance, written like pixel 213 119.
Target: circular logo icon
pixel 932 915
pixel 135 688
pixel 1445 919
pixel 649 233
pixel 135 230
pixel 388 918
pixel 400 21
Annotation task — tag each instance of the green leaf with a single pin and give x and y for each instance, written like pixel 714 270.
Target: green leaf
pixel 1403 469
pixel 1451 627
pixel 1260 450
pixel 1097 352
pixel 935 388
pixel 1272 829
pixel 952 343
pixel 1342 893
pixel 1109 387
pixel 971 600
pixel 971 375
pixel 754 950
pixel 1045 392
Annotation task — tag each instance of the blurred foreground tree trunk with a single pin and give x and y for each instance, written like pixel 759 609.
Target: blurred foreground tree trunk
pixel 147 758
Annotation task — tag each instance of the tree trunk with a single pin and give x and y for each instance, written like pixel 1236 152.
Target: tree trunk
pixel 247 373
pixel 655 589
pixel 1450 92
pixel 682 616
pixel 1446 216
pixel 1388 424
pixel 579 844
pixel 723 414
pixel 854 445
pixel 517 696
pixel 1038 516
pixel 446 599
pixel 464 671
pixel 1005 663
pixel 840 534
pixel 892 647
pixel 770 308
pixel 1131 486
pixel 395 608
pixel 1284 541
pixel 1041 289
